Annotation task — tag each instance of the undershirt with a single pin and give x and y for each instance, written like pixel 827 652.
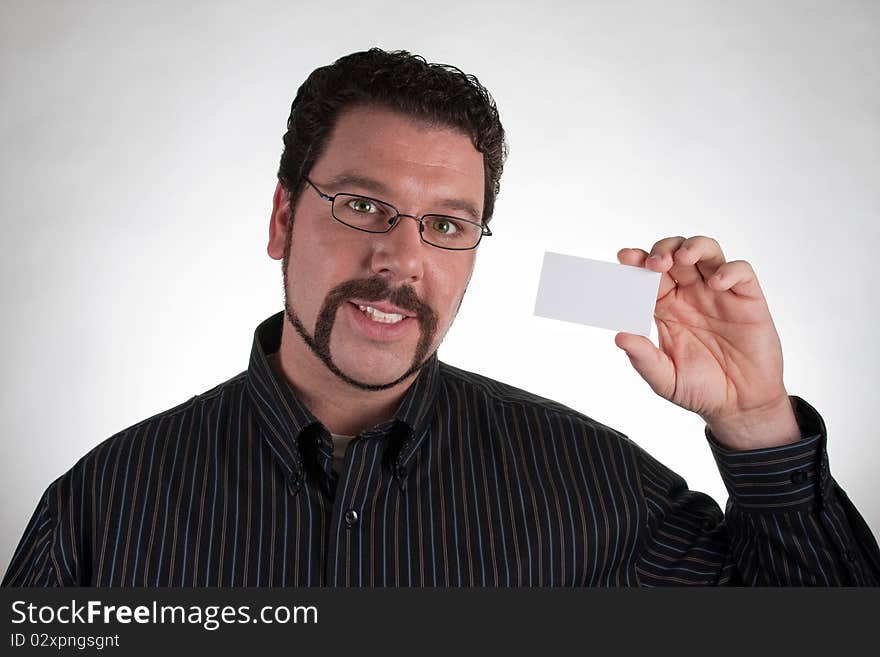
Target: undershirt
pixel 339 445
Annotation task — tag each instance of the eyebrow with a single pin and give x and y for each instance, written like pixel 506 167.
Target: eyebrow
pixel 357 180
pixel 352 179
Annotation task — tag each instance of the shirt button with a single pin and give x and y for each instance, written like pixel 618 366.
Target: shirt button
pixel 798 477
pixel 351 517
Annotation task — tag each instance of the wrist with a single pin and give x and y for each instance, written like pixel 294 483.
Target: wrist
pixel 769 426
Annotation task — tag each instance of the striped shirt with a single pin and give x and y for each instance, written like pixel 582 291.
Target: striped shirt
pixel 471 483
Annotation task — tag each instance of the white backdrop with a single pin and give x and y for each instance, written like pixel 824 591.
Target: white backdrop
pixel 138 159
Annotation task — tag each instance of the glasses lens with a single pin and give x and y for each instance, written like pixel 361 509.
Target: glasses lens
pixel 450 232
pixel 363 213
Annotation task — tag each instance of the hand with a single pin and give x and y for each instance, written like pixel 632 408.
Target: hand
pixel 720 355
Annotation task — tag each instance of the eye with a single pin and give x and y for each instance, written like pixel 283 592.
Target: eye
pixel 362 205
pixel 443 226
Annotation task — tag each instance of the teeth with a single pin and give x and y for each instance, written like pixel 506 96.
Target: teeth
pixel 378 316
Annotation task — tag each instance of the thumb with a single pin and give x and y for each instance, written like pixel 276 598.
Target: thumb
pixel 653 365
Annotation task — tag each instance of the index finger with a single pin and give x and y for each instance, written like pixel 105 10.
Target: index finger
pixel 637 258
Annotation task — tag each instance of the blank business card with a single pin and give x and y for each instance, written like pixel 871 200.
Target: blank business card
pixel 607 295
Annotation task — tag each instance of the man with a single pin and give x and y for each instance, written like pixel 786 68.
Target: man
pixel 347 455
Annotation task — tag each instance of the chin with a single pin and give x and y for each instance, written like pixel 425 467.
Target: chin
pixel 373 372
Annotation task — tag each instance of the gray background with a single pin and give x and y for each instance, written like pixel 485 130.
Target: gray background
pixel 139 151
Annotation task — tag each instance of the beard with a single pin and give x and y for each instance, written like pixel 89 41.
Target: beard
pixel 374 288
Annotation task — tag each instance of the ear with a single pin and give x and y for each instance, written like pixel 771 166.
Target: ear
pixel 279 222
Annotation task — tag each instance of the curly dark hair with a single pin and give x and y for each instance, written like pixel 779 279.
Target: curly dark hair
pixel 437 93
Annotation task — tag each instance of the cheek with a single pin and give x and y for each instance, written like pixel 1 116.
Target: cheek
pixel 320 256
pixel 308 274
pixel 451 282
pixel 312 242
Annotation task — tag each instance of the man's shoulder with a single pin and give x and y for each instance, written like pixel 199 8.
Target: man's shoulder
pixel 196 403
pixel 497 391
pixel 504 394
pixel 173 424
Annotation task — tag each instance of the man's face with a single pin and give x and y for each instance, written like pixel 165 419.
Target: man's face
pixel 332 271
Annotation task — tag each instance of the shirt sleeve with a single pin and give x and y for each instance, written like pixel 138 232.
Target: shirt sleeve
pixel 31 563
pixel 40 558
pixel 787 522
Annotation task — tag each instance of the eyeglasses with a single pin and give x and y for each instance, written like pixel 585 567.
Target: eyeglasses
pixel 374 216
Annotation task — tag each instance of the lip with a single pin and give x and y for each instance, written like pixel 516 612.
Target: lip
pixel 378 331
pixel 382 307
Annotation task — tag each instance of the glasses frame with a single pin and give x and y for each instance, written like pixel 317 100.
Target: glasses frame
pixel 484 229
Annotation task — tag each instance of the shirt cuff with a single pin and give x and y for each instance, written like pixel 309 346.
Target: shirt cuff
pixel 791 477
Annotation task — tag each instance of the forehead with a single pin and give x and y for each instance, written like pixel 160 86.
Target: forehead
pixel 409 158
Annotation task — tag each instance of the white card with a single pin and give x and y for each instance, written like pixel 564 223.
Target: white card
pixel 603 294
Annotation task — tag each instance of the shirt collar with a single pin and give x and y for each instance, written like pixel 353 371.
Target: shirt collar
pixel 284 419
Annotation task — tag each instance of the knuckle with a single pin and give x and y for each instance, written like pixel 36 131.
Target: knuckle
pixel 666 243
pixel 740 266
pixel 709 244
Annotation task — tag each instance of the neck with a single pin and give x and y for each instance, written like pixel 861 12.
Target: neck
pixel 342 408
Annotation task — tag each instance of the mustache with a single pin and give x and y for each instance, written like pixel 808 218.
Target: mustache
pixel 377 288
pixel 374 288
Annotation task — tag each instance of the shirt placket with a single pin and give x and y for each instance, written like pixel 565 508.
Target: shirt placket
pixel 350 541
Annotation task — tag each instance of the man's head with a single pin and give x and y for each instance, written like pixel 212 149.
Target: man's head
pixel 426 139
pixel 438 94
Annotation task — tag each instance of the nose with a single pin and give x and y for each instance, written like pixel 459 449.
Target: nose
pixel 399 253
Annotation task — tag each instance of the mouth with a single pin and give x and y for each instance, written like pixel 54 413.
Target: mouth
pixel 382 311
pixel 384 323
pixel 379 316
